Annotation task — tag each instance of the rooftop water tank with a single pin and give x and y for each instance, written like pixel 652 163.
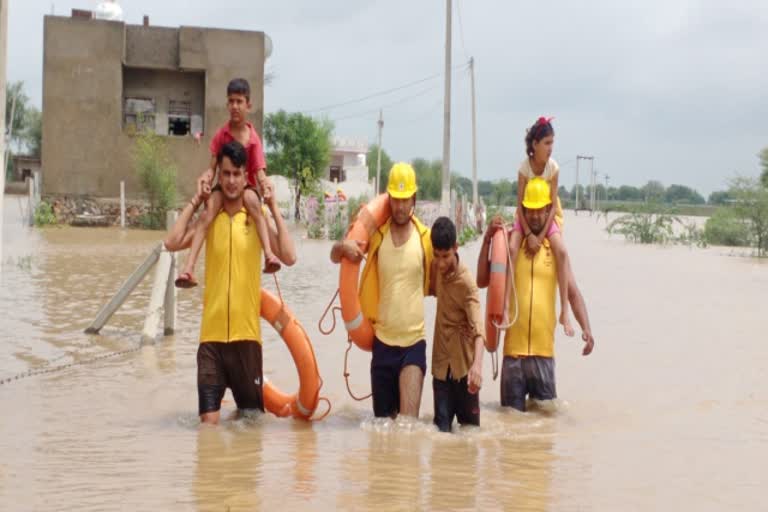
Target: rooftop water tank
pixel 108 10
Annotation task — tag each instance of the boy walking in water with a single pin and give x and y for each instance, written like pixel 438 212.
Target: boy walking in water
pixel 457 352
pixel 242 131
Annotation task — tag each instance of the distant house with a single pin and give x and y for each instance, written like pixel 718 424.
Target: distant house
pixel 24 166
pixel 348 155
pixel 104 80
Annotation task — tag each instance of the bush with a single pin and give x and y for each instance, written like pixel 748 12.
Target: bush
pixel 467 235
pixel 337 227
pixel 646 225
pixel 44 215
pixel 315 217
pixel 157 176
pixel 726 228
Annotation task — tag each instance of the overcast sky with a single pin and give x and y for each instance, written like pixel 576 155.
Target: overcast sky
pixel 672 90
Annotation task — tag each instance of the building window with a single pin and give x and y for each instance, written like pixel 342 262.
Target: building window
pixel 179 117
pixel 139 115
pixel 166 102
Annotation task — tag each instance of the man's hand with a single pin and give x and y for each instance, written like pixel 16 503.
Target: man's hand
pixel 533 245
pixel 497 223
pixel 269 194
pixel 265 184
pixel 204 184
pixel 353 250
pixel 589 343
pixel 475 377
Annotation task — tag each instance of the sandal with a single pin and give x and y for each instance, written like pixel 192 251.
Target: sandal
pixel 185 280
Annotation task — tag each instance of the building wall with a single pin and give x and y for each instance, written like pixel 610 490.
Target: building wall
pixel 151 47
pixel 163 86
pixel 85 149
pixel 352 159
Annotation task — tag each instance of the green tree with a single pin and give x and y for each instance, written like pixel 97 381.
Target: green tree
pixel 386 165
pixel 429 177
pixel 751 205
pixel 653 192
pixel 157 175
pixel 677 194
pixel 725 227
pixel 629 193
pixel 300 149
pixel 33 132
pixel 484 189
pixel 463 184
pixel 505 193
pixel 719 197
pixel 27 122
pixel 15 94
pixel 764 164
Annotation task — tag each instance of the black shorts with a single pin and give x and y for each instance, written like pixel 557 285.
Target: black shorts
pixel 386 363
pixel 452 398
pixel 237 366
pixel 533 376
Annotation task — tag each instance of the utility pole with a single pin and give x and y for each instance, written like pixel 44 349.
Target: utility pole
pixel 378 159
pixel 578 188
pixel 3 51
pixel 445 198
pixel 474 133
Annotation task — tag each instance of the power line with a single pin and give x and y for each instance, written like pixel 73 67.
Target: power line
pixel 401 100
pixel 382 93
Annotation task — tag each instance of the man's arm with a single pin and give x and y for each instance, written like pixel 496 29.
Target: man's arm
pixel 353 250
pixel 280 239
pixel 182 231
pixel 579 308
pixel 483 263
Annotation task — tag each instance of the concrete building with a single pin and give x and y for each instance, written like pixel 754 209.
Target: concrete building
pixel 105 80
pixel 348 168
pixel 347 163
pixel 25 166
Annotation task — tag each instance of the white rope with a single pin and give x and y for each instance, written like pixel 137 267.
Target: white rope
pixel 504 327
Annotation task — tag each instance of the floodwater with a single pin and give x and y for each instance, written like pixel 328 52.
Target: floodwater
pixel 670 412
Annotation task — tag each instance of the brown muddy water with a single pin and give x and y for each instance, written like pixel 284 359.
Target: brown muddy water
pixel 669 413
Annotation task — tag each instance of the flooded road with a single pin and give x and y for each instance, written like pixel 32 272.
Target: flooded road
pixel 670 412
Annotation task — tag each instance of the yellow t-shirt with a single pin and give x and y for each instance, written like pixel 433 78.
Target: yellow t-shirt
pixel 536 283
pixel 400 320
pixel 232 296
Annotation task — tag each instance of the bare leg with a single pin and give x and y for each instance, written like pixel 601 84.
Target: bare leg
pixel 212 208
pixel 563 273
pixel 411 382
pixel 212 418
pixel 253 206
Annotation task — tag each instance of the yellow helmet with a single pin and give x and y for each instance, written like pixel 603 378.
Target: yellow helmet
pixel 402 181
pixel 537 194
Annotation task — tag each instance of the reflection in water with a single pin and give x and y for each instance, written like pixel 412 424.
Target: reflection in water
pixel 304 458
pixel 123 433
pixel 228 467
pixel 525 471
pixel 395 471
pixel 454 473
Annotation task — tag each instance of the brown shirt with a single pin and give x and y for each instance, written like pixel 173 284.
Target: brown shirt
pixel 457 324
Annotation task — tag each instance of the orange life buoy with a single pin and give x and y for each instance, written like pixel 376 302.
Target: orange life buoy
pixel 494 303
pixel 370 218
pixel 302 404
